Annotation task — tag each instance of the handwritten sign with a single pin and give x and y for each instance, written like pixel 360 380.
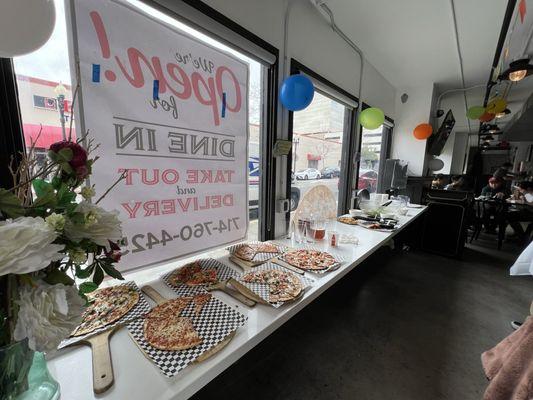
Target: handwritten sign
pixel 170 113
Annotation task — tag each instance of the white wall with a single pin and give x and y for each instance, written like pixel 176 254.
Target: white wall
pixel 312 42
pixel 415 111
pixel 459 151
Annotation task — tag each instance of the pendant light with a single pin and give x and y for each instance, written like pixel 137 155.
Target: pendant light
pixel 503 113
pixel 517 70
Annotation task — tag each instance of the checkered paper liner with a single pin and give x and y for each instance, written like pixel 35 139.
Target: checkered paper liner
pixel 259 257
pixel 338 258
pixel 140 309
pixel 223 272
pixel 262 290
pixel 215 322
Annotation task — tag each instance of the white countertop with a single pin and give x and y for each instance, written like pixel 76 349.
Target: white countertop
pixel 137 378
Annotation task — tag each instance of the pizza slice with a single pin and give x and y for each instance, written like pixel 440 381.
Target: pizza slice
pixel 171 333
pixel 169 307
pixel 245 252
pixel 266 248
pixel 200 301
pixel 193 274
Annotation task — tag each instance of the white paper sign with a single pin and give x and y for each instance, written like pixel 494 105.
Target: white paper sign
pixel 172 112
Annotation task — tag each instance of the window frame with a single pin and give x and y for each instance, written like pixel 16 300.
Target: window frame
pixel 386 145
pixel 349 139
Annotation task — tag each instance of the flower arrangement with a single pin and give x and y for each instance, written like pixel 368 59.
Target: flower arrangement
pixel 56 245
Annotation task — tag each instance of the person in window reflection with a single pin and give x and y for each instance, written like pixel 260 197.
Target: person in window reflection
pixel 495 189
pixel 523 195
pixel 458 183
pixel 438 182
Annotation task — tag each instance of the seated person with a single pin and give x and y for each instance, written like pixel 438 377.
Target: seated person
pixel 495 189
pixel 504 172
pixel 458 183
pixel 524 195
pixel 438 182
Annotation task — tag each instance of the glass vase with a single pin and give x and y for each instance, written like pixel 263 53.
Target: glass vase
pixel 24 374
pixel 15 363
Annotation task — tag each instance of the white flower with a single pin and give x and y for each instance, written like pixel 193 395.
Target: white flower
pixel 100 225
pixel 56 221
pixel 26 245
pixel 47 314
pixel 87 192
pixel 77 256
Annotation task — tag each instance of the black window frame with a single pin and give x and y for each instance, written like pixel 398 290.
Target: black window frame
pixel 386 145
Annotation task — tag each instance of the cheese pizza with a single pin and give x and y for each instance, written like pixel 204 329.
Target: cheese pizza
pixel 282 286
pixel 313 260
pixel 164 329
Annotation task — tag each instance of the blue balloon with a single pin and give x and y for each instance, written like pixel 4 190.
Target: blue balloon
pixel 296 92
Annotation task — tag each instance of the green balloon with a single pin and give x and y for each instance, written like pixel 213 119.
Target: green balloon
pixel 475 112
pixel 372 118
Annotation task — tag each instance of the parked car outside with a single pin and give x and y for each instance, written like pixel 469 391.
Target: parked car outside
pixel 308 173
pixel 330 172
pixel 368 179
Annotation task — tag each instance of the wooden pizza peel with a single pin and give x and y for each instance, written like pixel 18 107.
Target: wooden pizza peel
pixel 103 377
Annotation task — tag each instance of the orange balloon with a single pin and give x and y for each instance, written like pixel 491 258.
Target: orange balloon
pixel 423 131
pixel 487 117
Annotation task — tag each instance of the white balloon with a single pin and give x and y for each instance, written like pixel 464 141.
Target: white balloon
pixel 25 25
pixel 435 164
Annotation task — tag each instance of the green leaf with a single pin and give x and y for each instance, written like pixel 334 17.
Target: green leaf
pixel 65 154
pixel 56 276
pixel 65 166
pixel 56 182
pixel 88 287
pixel 42 187
pixel 10 204
pixel 84 273
pixel 65 196
pixel 112 271
pixel 98 276
pixel 47 201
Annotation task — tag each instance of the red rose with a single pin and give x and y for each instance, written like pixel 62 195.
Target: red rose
pixel 79 155
pixel 114 253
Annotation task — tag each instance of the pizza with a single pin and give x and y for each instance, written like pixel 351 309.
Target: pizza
pixel 245 252
pixel 200 301
pixel 164 329
pixel 282 286
pixel 313 260
pixel 249 251
pixel 193 275
pixel 107 306
pixel 347 220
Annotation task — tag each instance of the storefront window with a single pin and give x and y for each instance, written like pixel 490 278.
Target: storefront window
pixel 371 142
pixel 46 96
pixel 317 139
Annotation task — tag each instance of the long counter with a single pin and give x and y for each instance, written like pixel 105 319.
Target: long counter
pixel 137 378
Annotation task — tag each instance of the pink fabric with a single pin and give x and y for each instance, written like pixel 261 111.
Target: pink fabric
pixel 509 366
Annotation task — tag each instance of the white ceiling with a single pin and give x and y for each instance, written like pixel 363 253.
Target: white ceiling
pixel 412 41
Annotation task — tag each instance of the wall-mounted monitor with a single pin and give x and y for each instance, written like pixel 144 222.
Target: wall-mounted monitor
pixel 437 141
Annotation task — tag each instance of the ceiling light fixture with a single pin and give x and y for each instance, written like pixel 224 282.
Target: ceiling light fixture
pixel 503 113
pixel 517 70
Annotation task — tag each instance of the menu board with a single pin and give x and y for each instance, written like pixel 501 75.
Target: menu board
pixel 170 114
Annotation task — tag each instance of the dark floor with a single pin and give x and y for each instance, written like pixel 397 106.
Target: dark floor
pixel 404 326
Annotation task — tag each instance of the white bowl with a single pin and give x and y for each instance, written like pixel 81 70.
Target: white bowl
pixel 354 212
